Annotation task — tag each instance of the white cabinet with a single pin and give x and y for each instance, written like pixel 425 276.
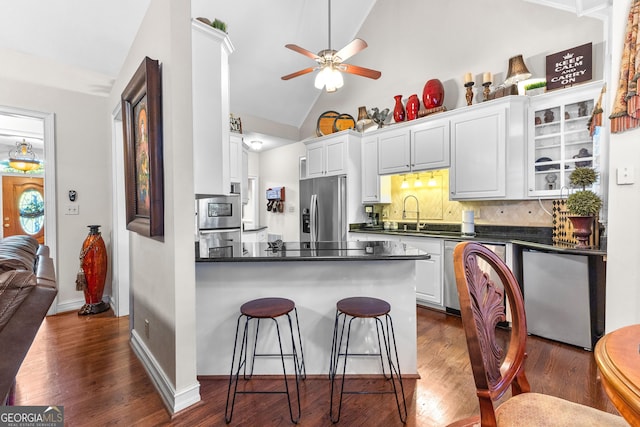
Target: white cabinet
pixel 488 144
pixel 559 138
pixel 375 188
pixel 430 145
pixel 373 237
pixel 336 154
pixel 414 147
pixel 255 236
pixel 245 176
pixel 394 150
pixel 430 284
pixel 235 157
pixel 210 85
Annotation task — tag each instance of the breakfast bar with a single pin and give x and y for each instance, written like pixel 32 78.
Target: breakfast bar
pixel 315 276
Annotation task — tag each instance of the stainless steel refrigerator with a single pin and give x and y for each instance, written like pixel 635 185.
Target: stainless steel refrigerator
pixel 323 207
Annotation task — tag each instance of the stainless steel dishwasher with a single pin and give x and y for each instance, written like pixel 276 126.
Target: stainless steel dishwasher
pixel 451 300
pixel 557 297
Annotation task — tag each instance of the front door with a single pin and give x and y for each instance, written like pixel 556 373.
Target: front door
pixel 23 206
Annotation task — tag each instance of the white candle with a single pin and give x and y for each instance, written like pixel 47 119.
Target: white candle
pixel 486 77
pixel 468 78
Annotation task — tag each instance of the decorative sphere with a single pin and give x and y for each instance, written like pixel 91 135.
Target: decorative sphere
pixel 433 94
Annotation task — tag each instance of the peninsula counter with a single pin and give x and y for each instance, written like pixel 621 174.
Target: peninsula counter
pixel 315 277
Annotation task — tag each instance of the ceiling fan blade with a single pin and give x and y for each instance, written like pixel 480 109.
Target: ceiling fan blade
pixel 302 50
pixel 360 71
pixel 298 73
pixel 355 46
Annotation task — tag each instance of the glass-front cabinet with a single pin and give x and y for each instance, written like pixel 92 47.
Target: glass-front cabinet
pixel 560 138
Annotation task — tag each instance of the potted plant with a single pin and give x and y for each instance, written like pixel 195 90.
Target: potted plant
pixel 583 205
pixel 536 88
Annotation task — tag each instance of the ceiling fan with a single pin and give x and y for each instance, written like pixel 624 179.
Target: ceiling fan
pixel 330 63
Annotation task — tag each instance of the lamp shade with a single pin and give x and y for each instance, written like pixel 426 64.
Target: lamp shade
pixel 517 70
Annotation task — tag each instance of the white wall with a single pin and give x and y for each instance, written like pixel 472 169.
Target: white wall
pixel 623 269
pixel 413 41
pixel 82 155
pixel 278 168
pixel 163 272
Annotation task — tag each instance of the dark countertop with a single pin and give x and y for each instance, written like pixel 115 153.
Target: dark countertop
pixel 320 251
pixel 537 238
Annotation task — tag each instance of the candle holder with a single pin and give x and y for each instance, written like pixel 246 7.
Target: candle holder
pixel 486 90
pixel 469 94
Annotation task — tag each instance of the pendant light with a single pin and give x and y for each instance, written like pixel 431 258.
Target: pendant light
pixel 417 182
pixel 432 181
pixel 23 158
pixel 404 184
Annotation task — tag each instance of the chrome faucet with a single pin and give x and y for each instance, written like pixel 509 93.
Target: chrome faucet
pixel 417 211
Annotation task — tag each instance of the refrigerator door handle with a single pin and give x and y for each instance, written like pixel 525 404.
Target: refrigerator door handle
pixel 313 211
pixel 342 208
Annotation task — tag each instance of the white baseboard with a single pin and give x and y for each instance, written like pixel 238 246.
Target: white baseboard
pixel 174 400
pixel 75 305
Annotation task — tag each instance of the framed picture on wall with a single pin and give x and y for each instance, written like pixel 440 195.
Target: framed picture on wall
pixel 142 121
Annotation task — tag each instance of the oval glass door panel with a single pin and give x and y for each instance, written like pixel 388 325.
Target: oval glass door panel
pixel 31 207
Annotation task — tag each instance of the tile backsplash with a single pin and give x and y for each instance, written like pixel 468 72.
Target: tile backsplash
pixel 434 204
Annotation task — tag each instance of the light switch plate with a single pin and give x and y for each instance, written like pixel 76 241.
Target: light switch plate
pixel 73 210
pixel 625 175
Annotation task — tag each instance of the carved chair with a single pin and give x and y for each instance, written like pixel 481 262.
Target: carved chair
pixel 482 307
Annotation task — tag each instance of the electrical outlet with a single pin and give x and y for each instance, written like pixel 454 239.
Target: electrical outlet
pixel 625 175
pixel 476 213
pixel 146 328
pixel 73 210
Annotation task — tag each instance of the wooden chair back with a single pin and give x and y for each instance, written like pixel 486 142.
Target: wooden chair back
pixel 482 307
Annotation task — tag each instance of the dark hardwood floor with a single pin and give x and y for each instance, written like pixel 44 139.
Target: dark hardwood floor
pixel 87 365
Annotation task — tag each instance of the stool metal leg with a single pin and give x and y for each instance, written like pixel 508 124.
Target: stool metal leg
pixel 389 340
pixel 335 345
pixel 392 336
pixel 302 369
pixel 233 379
pixel 299 367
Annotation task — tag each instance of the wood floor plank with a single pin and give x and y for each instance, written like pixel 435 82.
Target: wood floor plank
pixel 87 365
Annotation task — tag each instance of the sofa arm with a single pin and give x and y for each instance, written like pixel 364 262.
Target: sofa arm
pixel 19 332
pixel 45 272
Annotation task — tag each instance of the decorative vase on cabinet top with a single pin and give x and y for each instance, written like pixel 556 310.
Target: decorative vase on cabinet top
pixel 433 94
pixel 398 110
pixel 413 106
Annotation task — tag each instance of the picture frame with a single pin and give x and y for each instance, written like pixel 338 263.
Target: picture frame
pixel 235 124
pixel 143 153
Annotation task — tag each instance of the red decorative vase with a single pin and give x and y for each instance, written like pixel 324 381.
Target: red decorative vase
pixel 398 110
pixel 413 106
pixel 93 261
pixel 433 94
pixel 582 230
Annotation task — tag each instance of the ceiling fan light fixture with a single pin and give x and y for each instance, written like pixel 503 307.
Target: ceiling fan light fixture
pixel 329 78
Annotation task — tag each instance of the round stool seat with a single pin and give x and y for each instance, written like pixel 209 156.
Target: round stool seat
pixel 363 307
pixel 263 308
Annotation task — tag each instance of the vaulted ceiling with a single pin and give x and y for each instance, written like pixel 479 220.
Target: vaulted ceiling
pixel 83 44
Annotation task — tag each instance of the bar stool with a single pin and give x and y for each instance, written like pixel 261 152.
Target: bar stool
pixel 366 308
pixel 258 309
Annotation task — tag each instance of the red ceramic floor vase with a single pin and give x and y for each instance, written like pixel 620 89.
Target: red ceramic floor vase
pixel 94 265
